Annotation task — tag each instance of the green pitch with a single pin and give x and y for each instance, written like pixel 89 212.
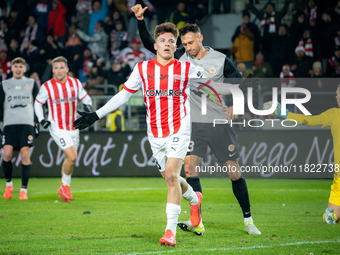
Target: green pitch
pixel 127 216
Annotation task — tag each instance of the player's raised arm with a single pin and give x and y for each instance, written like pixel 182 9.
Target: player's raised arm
pixel 144 33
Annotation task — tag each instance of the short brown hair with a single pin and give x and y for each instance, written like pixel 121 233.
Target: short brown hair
pixel 18 60
pixel 166 27
pixel 187 28
pixel 59 59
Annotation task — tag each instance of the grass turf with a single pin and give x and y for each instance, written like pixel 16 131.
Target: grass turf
pixel 127 215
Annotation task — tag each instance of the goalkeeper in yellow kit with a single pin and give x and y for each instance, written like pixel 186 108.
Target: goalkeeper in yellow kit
pixel 329 118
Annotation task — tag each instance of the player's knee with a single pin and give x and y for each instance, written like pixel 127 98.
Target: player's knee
pixel 72 158
pixel 7 156
pixel 187 170
pixel 171 178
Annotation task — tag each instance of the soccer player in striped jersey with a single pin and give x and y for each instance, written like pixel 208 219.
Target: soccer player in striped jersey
pixel 62 93
pixel 215 66
pixel 329 118
pixel 17 96
pixel 165 84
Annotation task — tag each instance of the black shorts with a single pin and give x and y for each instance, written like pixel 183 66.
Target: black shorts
pixel 18 136
pixel 221 139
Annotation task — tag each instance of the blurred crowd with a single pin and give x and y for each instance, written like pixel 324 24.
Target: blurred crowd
pixel 98 37
pixel 304 43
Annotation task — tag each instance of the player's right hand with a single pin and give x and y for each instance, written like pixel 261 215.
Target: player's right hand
pixel 86 120
pixel 45 123
pixel 139 11
pixel 277 112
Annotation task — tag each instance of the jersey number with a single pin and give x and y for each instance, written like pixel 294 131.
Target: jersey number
pixel 62 142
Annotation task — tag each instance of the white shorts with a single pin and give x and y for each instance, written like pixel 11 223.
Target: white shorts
pixel 173 146
pixel 65 138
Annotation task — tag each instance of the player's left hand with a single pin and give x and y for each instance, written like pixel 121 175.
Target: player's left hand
pixel 229 113
pixel 86 120
pixel 36 130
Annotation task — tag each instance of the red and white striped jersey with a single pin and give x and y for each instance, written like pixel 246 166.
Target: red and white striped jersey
pixel 62 101
pixel 166 93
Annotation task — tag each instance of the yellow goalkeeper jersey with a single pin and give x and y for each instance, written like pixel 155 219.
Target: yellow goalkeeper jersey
pixel 329 118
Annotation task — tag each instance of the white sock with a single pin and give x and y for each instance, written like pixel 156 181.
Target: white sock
pixel 22 189
pixel 172 214
pixel 190 196
pixel 66 179
pixel 9 183
pixel 248 219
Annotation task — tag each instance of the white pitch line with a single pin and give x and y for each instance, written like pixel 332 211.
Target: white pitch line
pixel 235 248
pixel 101 190
pixel 141 189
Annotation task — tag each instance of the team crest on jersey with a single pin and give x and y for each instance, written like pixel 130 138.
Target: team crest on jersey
pixel 212 70
pixel 177 77
pixel 30 138
pixel 231 147
pixel 27 87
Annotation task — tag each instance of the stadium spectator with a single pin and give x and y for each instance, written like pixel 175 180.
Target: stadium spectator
pixel 337 11
pixel 83 17
pixel 57 19
pixel 5 63
pixel 97 42
pixel 306 42
pixel 337 37
pixel 32 32
pixel 50 51
pixel 133 25
pixel 135 54
pixel 197 9
pixel 94 78
pixel 243 46
pixel 13 50
pixel 329 118
pixel 316 72
pixel 84 5
pixel 19 124
pixel 287 78
pixel 333 63
pixel 260 68
pixel 180 16
pixel 217 6
pixel 280 49
pixel 41 10
pixel 5 36
pixel 241 67
pixel 270 21
pixel 298 27
pixel 311 12
pixel 117 74
pixel 300 63
pixel 110 21
pixel 327 31
pixel 198 55
pixel 85 69
pixel 73 49
pixel 119 39
pixel 32 56
pixel 169 161
pixel 35 77
pixel 164 10
pixel 60 123
pixel 99 13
